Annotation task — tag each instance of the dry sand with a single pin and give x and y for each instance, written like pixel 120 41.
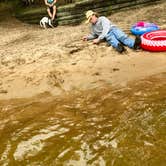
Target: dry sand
pixel 34 60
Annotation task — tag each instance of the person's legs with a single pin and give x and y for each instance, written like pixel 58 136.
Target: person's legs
pixel 53 13
pixel 112 40
pixel 123 38
pixel 49 12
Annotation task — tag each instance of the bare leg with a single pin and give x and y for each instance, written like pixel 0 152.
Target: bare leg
pixel 49 13
pixel 54 13
pixel 50 24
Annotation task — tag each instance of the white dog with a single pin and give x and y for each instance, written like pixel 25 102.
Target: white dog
pixel 45 21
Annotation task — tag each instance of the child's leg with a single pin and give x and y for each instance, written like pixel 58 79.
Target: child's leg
pixel 49 12
pixel 112 40
pixel 123 38
pixel 54 12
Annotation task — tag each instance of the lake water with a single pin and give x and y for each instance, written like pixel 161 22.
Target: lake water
pixel 105 127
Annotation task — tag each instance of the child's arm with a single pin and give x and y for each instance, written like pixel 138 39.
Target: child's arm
pixel 46 3
pixel 54 2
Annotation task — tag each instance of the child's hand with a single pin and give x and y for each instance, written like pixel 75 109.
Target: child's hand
pixel 84 38
pixel 96 41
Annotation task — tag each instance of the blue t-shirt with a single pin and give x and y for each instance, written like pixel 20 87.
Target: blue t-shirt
pixel 50 1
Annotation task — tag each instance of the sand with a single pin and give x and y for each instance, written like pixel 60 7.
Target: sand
pixel 34 60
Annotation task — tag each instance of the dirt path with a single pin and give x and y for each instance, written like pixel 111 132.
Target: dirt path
pixel 34 61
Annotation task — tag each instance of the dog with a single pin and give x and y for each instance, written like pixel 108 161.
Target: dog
pixel 45 22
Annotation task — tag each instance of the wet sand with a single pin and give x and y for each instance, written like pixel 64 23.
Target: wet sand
pixel 57 61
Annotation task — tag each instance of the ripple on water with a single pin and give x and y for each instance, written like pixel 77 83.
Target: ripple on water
pixel 34 145
pixel 109 127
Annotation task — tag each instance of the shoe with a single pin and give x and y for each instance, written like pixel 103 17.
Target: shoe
pixel 137 42
pixel 120 48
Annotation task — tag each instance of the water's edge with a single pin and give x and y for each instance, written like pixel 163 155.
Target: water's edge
pixel 99 127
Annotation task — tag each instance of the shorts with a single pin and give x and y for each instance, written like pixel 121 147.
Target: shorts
pixel 51 9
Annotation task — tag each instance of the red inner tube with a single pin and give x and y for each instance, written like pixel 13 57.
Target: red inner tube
pixel 158 38
pixel 154 41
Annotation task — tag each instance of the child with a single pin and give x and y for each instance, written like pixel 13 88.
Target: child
pixel 102 28
pixel 51 8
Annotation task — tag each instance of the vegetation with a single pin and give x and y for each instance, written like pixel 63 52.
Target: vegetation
pixel 72 11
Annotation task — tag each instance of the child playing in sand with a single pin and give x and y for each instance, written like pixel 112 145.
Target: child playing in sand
pixel 51 8
pixel 102 28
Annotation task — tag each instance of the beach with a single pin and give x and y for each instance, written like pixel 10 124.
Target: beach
pixel 56 61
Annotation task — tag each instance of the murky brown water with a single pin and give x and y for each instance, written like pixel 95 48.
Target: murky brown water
pixel 113 127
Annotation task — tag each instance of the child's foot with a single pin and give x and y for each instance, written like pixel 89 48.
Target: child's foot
pixel 137 42
pixel 120 48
